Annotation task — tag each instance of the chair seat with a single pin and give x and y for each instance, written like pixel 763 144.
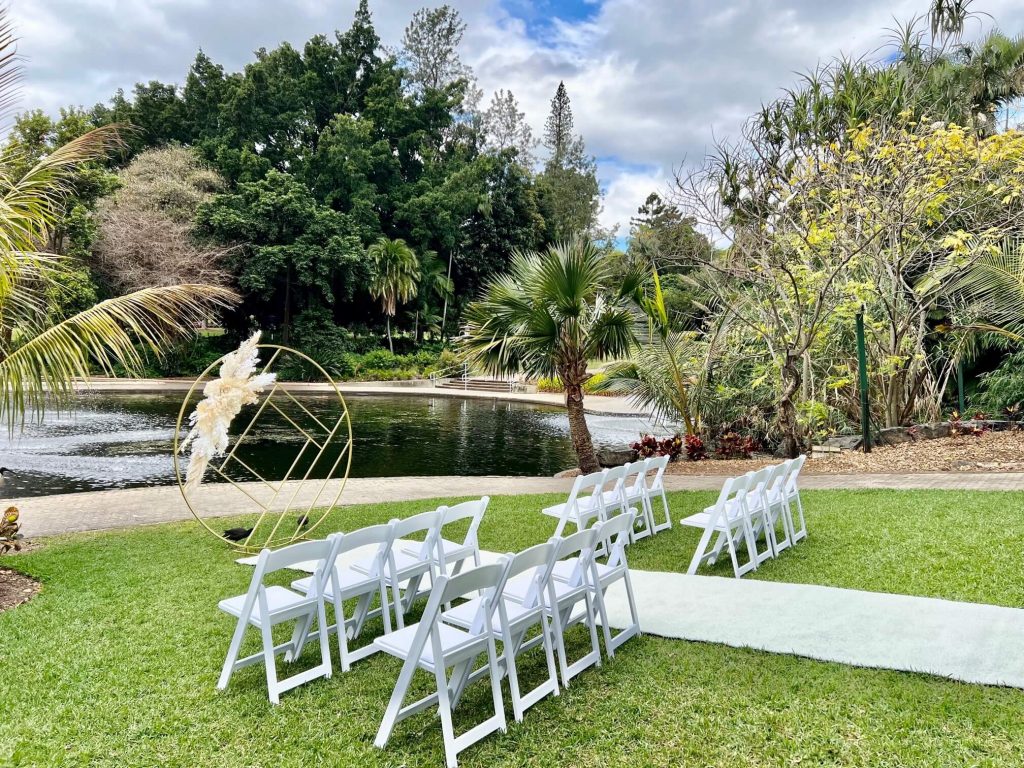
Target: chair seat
pixel 399 642
pixel 563 569
pixel 352 583
pixel 700 520
pixel 404 563
pixel 453 551
pixel 464 614
pixel 585 506
pixel 280 600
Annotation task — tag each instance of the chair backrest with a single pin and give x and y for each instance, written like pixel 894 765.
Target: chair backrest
pixel 753 495
pixel 614 477
pixel 303 551
pixel 634 478
pixel 382 535
pixel 427 522
pixel 776 481
pixel 324 551
pixel 448 588
pixel 541 558
pixel 617 531
pixel 655 471
pixel 594 482
pixel 794 471
pixel 486 579
pixel 581 543
pixel 727 506
pixel 467 510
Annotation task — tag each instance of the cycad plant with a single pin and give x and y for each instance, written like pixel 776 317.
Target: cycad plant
pixel 41 358
pixel 550 315
pixel 394 276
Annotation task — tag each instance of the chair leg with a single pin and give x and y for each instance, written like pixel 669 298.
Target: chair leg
pixel 592 623
pixel 559 639
pixel 325 641
pixel 606 629
pixel 390 719
pixel 342 628
pixel 232 657
pixel 270 663
pixel 499 702
pixel 667 525
pixel 698 554
pixel 444 709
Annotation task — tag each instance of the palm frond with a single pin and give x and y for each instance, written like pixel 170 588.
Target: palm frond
pixel 107 336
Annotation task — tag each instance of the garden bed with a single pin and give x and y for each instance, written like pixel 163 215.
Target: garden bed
pixel 16 588
pixel 989 452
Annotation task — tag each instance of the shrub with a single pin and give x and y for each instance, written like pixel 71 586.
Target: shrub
pixel 958 428
pixel 10 538
pixel 695 449
pixel 590 387
pixel 648 446
pixel 733 445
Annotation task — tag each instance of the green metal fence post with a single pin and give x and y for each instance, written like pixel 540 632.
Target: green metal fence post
pixel 862 366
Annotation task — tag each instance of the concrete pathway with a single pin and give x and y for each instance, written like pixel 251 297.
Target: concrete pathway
pixel 971 642
pixel 64 513
pixel 601 406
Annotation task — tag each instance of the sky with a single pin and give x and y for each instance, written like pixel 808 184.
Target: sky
pixel 653 83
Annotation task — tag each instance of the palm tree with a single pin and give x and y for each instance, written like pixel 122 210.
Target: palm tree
pixel 40 359
pixel 552 313
pixel 394 275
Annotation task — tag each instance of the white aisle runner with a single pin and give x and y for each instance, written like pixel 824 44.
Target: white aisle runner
pixel 964 641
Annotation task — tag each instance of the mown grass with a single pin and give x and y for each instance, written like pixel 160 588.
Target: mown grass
pixel 115 662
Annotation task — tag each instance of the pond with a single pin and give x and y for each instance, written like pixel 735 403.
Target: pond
pixel 125 441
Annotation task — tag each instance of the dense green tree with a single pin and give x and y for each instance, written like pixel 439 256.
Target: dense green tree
pixel 568 192
pixel 297 253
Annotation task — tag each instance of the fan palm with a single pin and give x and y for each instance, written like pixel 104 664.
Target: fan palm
pixel 990 290
pixel 394 276
pixel 40 359
pixel 549 315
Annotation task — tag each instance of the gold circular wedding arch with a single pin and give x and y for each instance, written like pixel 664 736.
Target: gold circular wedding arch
pixel 272 501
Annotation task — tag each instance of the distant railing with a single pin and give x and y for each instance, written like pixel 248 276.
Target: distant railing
pixel 460 377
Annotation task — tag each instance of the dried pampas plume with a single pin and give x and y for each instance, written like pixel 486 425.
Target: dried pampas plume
pixel 237 385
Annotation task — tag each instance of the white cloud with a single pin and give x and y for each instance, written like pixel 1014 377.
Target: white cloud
pixel 652 82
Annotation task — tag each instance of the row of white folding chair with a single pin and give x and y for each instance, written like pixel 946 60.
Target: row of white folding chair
pixel 599 495
pixel 521 592
pixel 388 567
pixel 748 507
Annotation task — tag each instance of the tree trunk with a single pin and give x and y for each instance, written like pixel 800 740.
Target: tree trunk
pixel 787 408
pixel 391 345
pixel 579 432
pixel 287 329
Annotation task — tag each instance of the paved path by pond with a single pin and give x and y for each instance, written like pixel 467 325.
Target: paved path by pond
pixel 598 405
pixel 65 513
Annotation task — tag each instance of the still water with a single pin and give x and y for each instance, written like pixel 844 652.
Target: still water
pixel 125 441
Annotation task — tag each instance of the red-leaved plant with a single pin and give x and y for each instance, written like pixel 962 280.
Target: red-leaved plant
pixel 695 448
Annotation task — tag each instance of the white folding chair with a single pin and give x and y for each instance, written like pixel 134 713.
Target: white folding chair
pixel 454 553
pixel 263 607
pixel 531 569
pixel 792 494
pixel 564 595
pixel 728 520
pixel 434 646
pixel 752 501
pixel 655 477
pixel 582 508
pixel 773 499
pixel 346 583
pixel 405 567
pixel 615 568
pixel 634 496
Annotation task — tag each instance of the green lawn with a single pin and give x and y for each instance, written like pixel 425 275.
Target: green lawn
pixel 114 663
